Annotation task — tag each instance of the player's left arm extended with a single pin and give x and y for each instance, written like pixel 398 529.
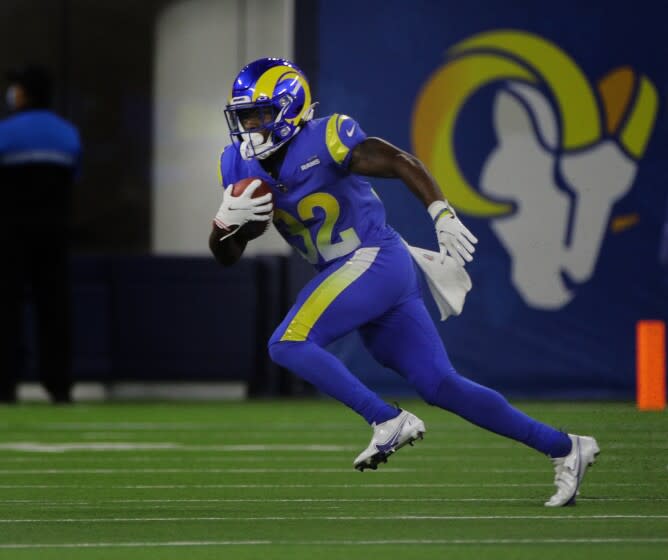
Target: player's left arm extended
pixel 375 157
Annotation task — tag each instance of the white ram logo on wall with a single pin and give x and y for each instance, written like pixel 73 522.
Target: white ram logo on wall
pixel 549 123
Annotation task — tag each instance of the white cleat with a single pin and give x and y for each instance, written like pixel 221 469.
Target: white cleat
pixel 570 470
pixel 388 437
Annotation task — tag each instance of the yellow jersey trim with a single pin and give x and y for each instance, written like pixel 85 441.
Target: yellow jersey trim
pixel 337 149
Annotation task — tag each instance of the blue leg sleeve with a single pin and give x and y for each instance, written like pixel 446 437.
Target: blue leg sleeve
pixel 407 341
pixel 335 302
pixel 317 366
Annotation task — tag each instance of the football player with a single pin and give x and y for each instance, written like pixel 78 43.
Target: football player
pixel 325 208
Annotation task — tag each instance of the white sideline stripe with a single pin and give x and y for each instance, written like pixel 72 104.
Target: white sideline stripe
pixel 361 485
pixel 614 540
pixel 308 517
pixel 36 447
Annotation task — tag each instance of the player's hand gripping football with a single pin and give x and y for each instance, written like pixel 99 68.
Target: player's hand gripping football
pixel 454 237
pixel 235 211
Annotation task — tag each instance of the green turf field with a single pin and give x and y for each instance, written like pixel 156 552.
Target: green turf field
pixel 275 480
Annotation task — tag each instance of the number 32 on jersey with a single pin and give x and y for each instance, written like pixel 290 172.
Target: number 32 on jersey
pixel 324 244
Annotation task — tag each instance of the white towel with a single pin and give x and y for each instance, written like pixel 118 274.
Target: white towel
pixel 448 282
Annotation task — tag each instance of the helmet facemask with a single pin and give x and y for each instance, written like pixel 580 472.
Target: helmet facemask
pixel 271 132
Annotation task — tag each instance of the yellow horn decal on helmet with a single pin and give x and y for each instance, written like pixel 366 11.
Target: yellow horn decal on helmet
pixel 580 119
pixel 266 85
pixel 434 118
pixel 307 100
pixel 636 132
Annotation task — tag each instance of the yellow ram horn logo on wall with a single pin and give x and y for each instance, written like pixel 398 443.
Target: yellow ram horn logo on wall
pixel 548 122
pixel 493 56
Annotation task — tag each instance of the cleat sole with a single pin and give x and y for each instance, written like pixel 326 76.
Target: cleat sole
pixel 373 461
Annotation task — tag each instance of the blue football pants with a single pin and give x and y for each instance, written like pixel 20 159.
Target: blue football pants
pixel 376 291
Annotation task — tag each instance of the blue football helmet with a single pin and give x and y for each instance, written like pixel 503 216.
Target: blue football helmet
pixel 276 95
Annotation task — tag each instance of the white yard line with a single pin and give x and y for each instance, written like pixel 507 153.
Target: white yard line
pixel 196 426
pixel 309 517
pixel 361 485
pixel 56 503
pixel 189 471
pixel 149 458
pixel 384 542
pixel 38 447
pixel 615 427
pixel 134 544
pixel 234 470
pixel 45 447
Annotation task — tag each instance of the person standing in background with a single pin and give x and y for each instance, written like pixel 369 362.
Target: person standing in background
pixel 40 155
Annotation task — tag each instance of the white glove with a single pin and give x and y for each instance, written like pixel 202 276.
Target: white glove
pixel 235 211
pixel 453 237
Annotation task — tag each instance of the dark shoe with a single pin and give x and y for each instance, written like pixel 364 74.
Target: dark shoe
pixel 8 397
pixel 60 396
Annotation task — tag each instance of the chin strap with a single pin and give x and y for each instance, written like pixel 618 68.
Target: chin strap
pixel 248 147
pixel 252 141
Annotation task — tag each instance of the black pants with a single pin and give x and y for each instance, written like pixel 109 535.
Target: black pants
pixel 36 267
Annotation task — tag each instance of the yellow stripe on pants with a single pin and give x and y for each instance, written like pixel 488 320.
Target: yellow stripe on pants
pixel 321 298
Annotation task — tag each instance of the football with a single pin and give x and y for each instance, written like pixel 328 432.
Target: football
pixel 252 230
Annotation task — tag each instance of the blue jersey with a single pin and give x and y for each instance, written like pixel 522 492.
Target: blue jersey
pixel 320 207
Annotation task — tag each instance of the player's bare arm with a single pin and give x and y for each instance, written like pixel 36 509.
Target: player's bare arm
pixel 374 157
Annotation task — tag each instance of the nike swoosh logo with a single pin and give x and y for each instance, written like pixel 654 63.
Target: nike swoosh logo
pixel 391 442
pixel 349 133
